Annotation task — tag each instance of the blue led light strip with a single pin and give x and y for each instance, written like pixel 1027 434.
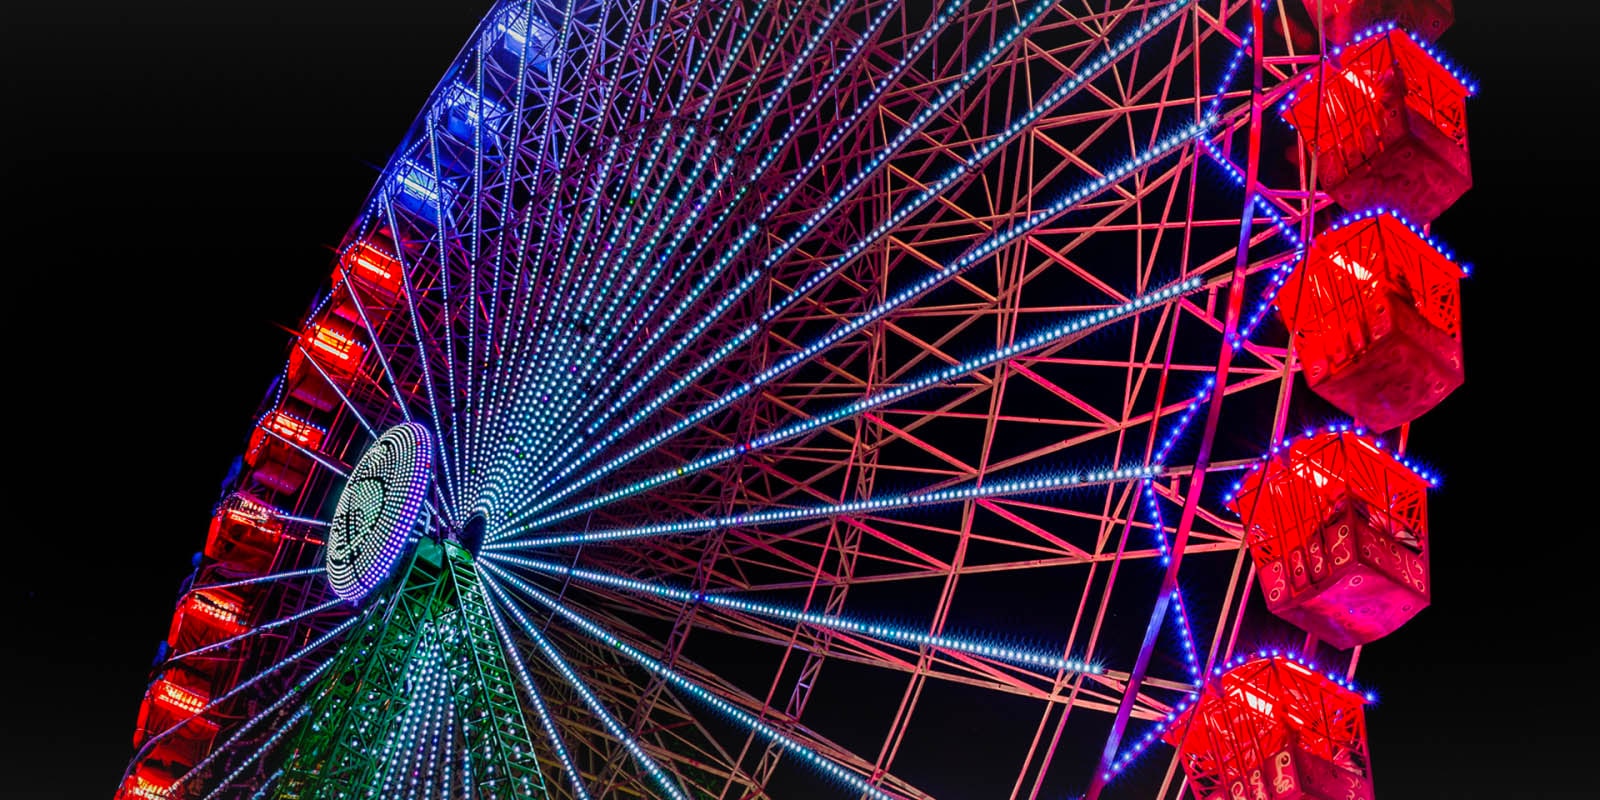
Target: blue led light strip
pixel 276 576
pixel 253 631
pixel 513 394
pixel 1014 129
pixel 546 326
pixel 574 777
pixel 972 257
pixel 250 723
pixel 311 454
pixel 888 632
pixel 445 487
pixel 564 390
pixel 662 779
pixel 1277 280
pixel 354 411
pixel 372 336
pixel 754 228
pixel 272 741
pixel 1078 325
pixel 793 746
pixel 243 685
pixel 727 162
pixel 957 494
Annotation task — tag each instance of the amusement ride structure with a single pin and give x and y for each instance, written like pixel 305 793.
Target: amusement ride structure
pixel 858 398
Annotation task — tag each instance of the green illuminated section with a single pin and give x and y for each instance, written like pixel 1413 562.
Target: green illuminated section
pixel 420 701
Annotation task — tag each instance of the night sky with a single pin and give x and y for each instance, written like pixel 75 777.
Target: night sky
pixel 176 175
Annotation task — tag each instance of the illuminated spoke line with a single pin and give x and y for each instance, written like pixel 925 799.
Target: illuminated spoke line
pixel 643 759
pixel 327 379
pixel 407 275
pixel 253 631
pixel 547 324
pixel 650 213
pixel 523 402
pixel 489 377
pixel 574 777
pixel 972 257
pixel 1067 88
pixel 313 455
pixel 772 735
pixel 520 355
pixel 444 282
pixel 1074 329
pixel 1071 480
pixel 271 742
pixel 565 424
pixel 372 335
pixel 753 229
pixel 277 576
pixel 243 685
pixel 249 724
pixel 887 632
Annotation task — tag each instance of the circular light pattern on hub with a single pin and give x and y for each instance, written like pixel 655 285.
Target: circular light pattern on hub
pixel 377 512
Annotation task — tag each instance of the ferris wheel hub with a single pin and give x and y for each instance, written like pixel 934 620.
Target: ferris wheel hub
pixel 379 511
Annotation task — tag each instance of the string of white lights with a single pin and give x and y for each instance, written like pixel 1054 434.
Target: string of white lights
pixel 660 776
pixel 1035 658
pixel 789 743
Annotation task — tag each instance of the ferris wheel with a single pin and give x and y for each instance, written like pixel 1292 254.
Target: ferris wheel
pixel 857 398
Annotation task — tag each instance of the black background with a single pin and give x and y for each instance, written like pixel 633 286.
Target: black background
pixel 176 174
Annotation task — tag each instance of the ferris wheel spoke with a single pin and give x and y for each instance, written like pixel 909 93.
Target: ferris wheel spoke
pixel 1107 178
pixel 1029 657
pixel 671 169
pixel 551 320
pixel 259 629
pixel 566 422
pixel 780 516
pixel 834 768
pixel 1050 337
pixel 426 346
pixel 245 685
pixel 248 725
pixel 276 576
pixel 343 398
pixel 536 698
pixel 554 658
pixel 977 254
pixel 272 741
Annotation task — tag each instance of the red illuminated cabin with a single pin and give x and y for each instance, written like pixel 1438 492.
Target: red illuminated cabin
pixel 148 782
pixel 1376 315
pixel 1338 531
pixel 1272 728
pixel 1342 19
pixel 244 537
pixel 373 268
pixel 205 617
pixel 173 701
pixel 1388 125
pixel 277 464
pixel 334 344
